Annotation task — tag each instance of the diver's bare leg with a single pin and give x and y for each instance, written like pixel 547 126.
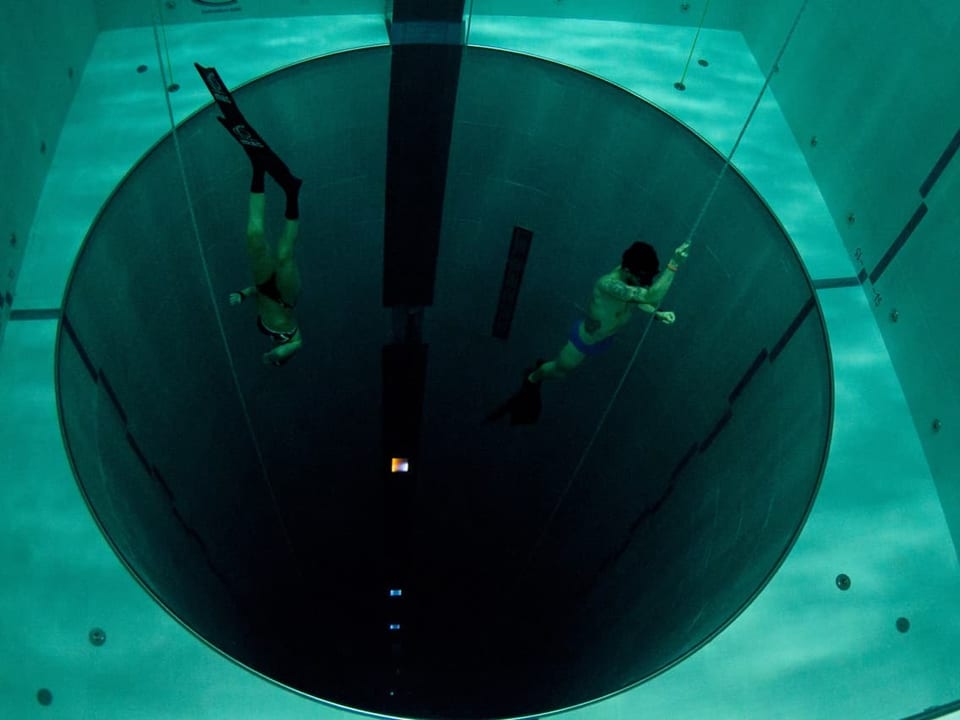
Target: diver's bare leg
pixel 562 365
pixel 261 256
pixel 288 277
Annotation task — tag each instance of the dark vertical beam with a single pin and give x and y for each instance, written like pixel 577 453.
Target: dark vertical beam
pixel 404 376
pixel 404 367
pixel 427 42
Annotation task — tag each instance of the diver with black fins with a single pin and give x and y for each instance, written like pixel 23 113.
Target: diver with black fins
pixel 635 284
pixel 275 275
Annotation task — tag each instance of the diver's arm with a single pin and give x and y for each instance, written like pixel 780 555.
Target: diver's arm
pixel 659 288
pixel 665 279
pixel 238 297
pixel 667 317
pixel 621 291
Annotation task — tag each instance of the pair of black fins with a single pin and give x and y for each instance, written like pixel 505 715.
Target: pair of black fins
pixel 236 124
pixel 523 406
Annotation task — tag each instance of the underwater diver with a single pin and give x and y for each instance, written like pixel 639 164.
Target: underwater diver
pixel 276 278
pixel 634 284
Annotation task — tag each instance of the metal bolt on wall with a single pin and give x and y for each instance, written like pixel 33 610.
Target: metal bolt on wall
pixel 97 637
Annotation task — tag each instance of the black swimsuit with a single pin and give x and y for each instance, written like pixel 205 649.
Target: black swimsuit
pixel 268 288
pixel 279 337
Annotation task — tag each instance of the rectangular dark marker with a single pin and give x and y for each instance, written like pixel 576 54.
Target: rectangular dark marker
pixel 512 278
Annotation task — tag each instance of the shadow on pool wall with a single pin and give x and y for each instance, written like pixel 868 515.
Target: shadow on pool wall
pixel 689 498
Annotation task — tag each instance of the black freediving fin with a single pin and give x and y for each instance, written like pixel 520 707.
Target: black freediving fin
pixel 244 134
pixel 218 89
pixel 523 406
pixel 241 130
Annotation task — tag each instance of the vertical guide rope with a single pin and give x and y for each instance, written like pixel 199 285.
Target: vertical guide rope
pixel 693 47
pixel 689 238
pixel 466 35
pixel 163 32
pixel 216 308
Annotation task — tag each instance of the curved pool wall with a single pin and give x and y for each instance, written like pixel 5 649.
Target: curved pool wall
pixel 548 566
pixel 862 177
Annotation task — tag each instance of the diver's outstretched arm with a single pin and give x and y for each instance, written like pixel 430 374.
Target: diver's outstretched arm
pixel 667 317
pixel 240 295
pixel 661 285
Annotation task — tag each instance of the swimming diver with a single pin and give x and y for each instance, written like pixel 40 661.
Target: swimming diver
pixel 634 284
pixel 276 278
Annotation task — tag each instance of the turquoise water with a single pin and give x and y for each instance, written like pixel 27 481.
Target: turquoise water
pixel 802 649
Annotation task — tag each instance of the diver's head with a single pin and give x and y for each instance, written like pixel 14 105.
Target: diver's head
pixel 640 260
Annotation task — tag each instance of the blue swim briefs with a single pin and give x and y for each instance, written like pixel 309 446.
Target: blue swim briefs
pixel 588 348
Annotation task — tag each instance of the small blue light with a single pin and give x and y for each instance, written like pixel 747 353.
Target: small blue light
pixel 396 593
pixel 394 626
